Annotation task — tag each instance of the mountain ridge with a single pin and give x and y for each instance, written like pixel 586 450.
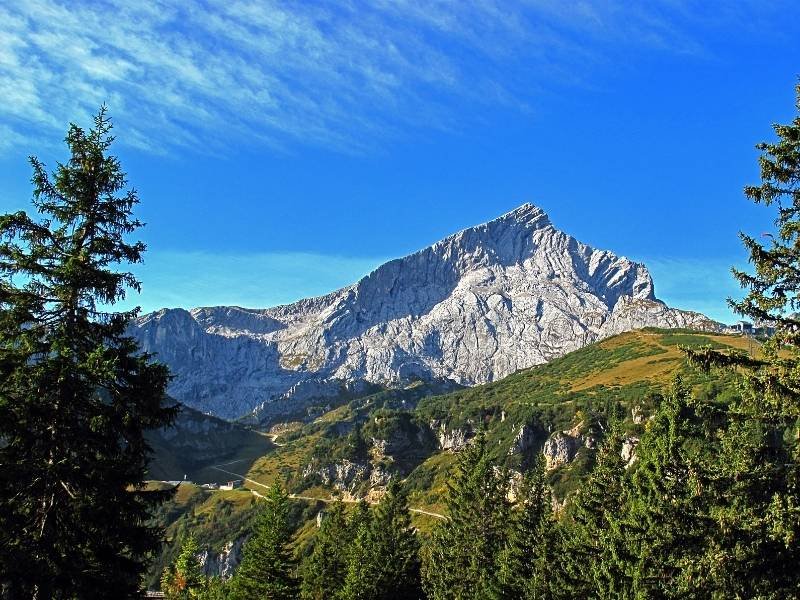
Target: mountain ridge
pixel 479 304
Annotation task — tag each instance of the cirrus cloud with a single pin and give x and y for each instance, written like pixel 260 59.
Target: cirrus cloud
pixel 206 75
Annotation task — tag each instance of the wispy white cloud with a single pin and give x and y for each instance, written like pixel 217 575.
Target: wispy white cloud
pixel 208 75
pixel 190 279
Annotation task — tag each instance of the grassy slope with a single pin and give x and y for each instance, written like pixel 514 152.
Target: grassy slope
pixel 627 370
pixel 618 373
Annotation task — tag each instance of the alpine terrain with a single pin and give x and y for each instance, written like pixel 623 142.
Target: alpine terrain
pixel 475 307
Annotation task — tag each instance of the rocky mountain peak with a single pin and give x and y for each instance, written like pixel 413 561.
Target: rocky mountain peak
pixel 473 307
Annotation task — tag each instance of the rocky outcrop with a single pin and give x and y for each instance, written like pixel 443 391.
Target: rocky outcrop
pixel 514 484
pixel 560 449
pixel 453 439
pixel 222 564
pixel 472 308
pixel 523 441
pixel 628 451
pixel 635 313
pixel 349 476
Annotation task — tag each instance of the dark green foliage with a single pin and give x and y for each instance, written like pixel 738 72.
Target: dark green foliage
pixel 324 570
pixel 525 562
pixel 774 286
pixel 757 474
pixel 461 559
pixel 76 396
pixel 384 560
pixel 754 545
pixel 657 536
pixel 361 517
pixel 582 563
pixel 214 589
pixel 267 567
pixel 212 529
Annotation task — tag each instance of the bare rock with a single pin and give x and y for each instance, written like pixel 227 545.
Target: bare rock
pixel 523 441
pixel 628 451
pixel 224 563
pixel 560 449
pixel 454 439
pixel 475 307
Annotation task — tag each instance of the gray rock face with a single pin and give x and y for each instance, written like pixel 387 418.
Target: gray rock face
pixel 628 452
pixel 634 313
pixel 224 563
pixel 455 439
pixel 523 441
pixel 347 476
pixel 560 449
pixel 472 308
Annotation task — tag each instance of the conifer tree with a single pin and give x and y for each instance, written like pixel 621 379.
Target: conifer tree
pixel 76 396
pixel 185 579
pixel 325 568
pixel 267 567
pixel 581 559
pixel 460 560
pixel 360 517
pixel 754 483
pixel 761 519
pixel 524 563
pixel 384 563
pixel 215 589
pixel 663 523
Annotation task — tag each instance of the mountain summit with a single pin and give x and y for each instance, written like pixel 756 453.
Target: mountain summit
pixel 474 307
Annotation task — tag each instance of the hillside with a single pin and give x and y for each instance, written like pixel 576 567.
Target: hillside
pixel 560 408
pixel 197 442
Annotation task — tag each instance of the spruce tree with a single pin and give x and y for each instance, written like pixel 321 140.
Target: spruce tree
pixel 324 570
pixel 359 518
pixel 525 563
pixel 754 542
pixel 761 519
pixel 582 566
pixel 76 396
pixel 267 567
pixel 460 561
pixel 185 579
pixel 660 531
pixel 384 563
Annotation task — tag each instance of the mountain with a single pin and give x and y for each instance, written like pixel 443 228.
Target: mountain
pixel 478 305
pixel 196 443
pixel 559 410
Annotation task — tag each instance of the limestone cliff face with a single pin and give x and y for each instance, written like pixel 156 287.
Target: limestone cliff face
pixel 472 308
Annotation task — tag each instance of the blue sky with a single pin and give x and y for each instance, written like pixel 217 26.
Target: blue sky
pixel 285 149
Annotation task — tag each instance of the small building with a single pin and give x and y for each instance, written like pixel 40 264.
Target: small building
pixel 231 485
pixel 743 327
